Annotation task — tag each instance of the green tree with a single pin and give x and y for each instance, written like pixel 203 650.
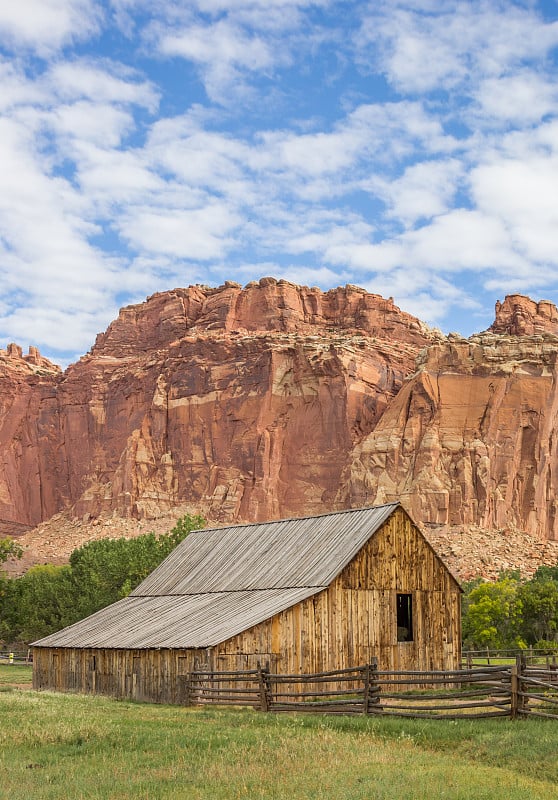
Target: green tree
pixel 539 603
pixel 38 603
pixel 184 525
pixel 8 549
pixel 493 615
pixel 107 570
pixel 48 598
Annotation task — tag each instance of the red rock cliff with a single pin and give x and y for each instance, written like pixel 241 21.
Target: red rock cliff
pixel 30 473
pixel 470 438
pixel 243 402
pixel 278 400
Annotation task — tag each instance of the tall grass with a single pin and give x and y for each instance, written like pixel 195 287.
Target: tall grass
pixel 75 746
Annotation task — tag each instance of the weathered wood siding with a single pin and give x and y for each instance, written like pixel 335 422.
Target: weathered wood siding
pixel 354 619
pixel 148 675
pixel 347 624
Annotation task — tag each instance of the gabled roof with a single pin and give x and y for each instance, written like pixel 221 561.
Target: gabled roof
pixel 284 554
pixel 222 581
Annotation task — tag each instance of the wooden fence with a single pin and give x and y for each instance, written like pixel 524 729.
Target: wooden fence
pixel 16 657
pixel 531 655
pixel 490 691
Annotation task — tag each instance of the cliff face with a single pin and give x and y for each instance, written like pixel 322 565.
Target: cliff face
pixel 29 437
pixel 470 438
pixel 278 400
pixel 242 402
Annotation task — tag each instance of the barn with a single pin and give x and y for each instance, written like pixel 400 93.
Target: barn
pixel 306 595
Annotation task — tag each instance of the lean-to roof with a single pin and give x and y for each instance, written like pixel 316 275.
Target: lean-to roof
pixel 220 582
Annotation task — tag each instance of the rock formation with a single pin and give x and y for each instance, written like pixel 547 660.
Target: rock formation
pixel 244 402
pixel 470 438
pixel 275 400
pixel 28 475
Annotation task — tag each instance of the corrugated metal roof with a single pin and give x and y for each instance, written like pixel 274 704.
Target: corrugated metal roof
pixel 269 555
pixel 200 620
pixel 222 581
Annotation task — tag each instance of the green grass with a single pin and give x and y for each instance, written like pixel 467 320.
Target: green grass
pixel 20 674
pixel 75 746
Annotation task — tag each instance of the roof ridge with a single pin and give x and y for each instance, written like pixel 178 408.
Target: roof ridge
pixel 394 504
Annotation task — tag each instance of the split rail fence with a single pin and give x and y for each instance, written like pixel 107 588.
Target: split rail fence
pixel 491 691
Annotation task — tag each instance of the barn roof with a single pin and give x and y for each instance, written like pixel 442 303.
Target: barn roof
pixel 219 582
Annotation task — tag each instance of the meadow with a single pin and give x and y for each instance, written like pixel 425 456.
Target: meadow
pixel 75 746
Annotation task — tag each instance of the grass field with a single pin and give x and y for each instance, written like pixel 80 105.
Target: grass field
pixel 75 746
pixel 19 674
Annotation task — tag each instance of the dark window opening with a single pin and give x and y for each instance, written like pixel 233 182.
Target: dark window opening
pixel 404 605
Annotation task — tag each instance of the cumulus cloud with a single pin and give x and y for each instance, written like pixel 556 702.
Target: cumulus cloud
pixel 46 25
pixel 410 146
pixel 469 39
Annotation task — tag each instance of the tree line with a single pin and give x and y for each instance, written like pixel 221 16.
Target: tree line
pixel 49 597
pixel 512 612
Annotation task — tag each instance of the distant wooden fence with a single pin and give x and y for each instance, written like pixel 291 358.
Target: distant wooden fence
pixel 15 657
pixel 491 691
pixel 531 655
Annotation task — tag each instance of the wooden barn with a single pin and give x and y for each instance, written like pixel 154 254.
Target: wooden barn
pixel 306 595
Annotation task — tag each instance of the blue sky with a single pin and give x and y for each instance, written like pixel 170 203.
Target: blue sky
pixel 408 147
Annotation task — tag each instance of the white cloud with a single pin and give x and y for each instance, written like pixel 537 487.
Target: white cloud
pixel 45 25
pixel 524 196
pixel 425 190
pixel 116 179
pixel 456 241
pixel 57 329
pixel 102 82
pixel 234 45
pixel 314 276
pixel 110 176
pixel 86 122
pixel 196 234
pixel 521 99
pixel 452 44
pixel 422 294
pixel 221 42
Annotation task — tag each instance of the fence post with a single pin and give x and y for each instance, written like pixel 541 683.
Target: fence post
pixel 265 687
pixel 514 690
pixel 371 685
pixel 186 688
pixel 517 701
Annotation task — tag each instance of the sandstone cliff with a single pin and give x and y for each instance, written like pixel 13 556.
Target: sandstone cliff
pixel 470 438
pixel 275 400
pixel 29 474
pixel 243 402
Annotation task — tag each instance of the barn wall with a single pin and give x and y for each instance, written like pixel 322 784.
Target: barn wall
pixel 355 618
pixel 149 675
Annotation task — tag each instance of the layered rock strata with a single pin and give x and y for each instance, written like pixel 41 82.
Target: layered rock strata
pixel 244 402
pixel 470 439
pixel 277 400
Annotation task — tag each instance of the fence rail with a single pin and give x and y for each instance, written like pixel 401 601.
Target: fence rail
pixel 16 657
pixel 531 655
pixel 514 691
